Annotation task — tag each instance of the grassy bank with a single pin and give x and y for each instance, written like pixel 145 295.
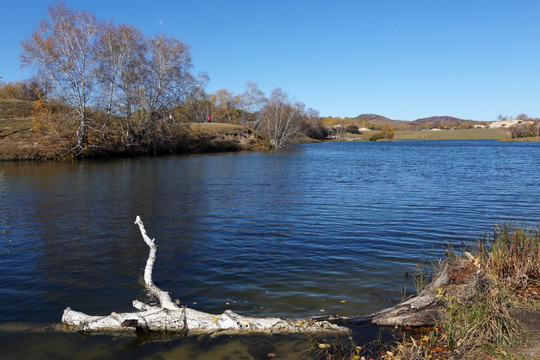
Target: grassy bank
pixel 18 140
pixel 488 309
pixel 495 312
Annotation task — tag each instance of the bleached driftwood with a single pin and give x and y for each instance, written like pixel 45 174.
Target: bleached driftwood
pixel 173 318
pixel 419 310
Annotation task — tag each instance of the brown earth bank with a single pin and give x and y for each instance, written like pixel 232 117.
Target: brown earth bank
pixel 464 312
pixel 18 140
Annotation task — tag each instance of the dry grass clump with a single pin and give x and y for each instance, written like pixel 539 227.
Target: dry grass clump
pixel 512 256
pixel 488 288
pixel 477 320
pixel 478 306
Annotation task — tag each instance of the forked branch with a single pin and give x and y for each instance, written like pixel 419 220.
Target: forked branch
pixel 171 317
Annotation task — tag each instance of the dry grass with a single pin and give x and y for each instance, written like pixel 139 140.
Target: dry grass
pixel 15 108
pixel 15 116
pixel 213 128
pixel 479 322
pixel 525 139
pixel 465 134
pixel 491 290
pixel 511 256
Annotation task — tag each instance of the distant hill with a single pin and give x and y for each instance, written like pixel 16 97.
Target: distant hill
pixel 435 121
pixel 378 119
pixel 428 122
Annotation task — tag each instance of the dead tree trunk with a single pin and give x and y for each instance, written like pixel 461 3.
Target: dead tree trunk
pixel 169 316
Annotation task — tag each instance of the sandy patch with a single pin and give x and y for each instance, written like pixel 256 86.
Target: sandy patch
pixel 504 123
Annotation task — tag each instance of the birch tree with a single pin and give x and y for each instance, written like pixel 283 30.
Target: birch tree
pixel 62 48
pixel 281 119
pixel 120 49
pixel 251 103
pixel 170 316
pixel 160 80
pixel 124 75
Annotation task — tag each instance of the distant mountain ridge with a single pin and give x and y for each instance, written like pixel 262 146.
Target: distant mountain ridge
pixel 378 119
pixel 443 120
pixel 432 121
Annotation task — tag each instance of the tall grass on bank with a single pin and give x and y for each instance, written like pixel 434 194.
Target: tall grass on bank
pixel 477 307
pixel 477 318
pixel 508 263
pixel 511 256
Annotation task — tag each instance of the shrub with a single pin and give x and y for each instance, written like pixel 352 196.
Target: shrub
pixel 317 132
pixel 353 129
pixel 377 136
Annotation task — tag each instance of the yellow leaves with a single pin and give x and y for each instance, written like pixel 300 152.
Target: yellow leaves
pixel 440 292
pixel 324 346
pixel 215 319
pixel 343 301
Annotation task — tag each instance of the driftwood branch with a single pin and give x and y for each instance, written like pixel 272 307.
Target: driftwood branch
pixel 163 296
pixel 419 310
pixel 173 318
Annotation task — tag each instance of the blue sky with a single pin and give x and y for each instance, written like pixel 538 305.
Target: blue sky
pixel 400 59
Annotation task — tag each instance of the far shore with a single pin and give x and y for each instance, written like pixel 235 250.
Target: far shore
pixel 19 142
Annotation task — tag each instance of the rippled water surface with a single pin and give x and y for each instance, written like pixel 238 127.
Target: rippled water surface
pixel 317 229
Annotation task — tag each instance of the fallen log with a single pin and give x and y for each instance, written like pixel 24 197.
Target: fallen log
pixel 169 316
pixel 419 310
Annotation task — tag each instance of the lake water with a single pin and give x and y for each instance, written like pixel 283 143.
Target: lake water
pixel 327 228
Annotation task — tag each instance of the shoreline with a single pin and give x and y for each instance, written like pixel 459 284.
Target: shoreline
pixel 24 144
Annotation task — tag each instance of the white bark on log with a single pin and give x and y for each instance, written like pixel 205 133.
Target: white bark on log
pixel 163 296
pixel 420 310
pixel 170 317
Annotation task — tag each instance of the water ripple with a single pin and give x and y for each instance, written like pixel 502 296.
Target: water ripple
pixel 332 226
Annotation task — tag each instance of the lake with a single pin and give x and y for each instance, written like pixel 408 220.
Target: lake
pixel 329 228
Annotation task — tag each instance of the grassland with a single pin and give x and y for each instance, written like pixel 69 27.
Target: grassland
pixel 466 134
pixel 462 134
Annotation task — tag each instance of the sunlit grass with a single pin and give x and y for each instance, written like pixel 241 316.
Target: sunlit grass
pixel 477 320
pixel 511 256
pixel 465 134
pixel 480 322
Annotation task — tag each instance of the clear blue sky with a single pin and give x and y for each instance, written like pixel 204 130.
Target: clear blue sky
pixel 401 59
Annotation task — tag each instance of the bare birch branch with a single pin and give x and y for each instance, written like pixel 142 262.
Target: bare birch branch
pixel 170 317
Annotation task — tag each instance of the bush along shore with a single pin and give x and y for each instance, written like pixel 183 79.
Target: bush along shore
pixel 483 303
